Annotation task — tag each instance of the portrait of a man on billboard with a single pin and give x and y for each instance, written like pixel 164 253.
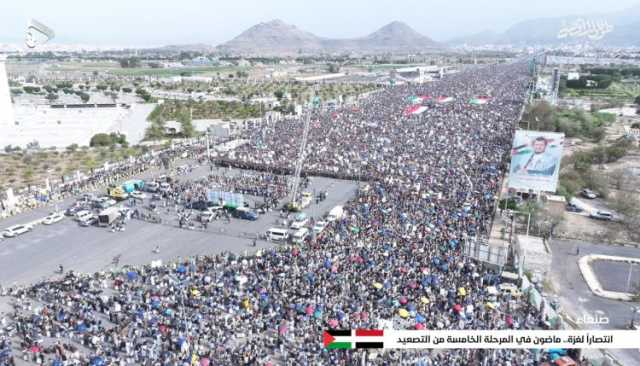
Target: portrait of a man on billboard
pixel 535 160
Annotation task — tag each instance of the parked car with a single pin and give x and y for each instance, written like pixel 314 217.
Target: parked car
pixel 83 215
pixel 209 213
pixel 601 215
pixel 245 214
pixel 15 230
pixel 89 221
pixel 319 226
pixel 72 210
pixel 53 218
pixel 587 193
pixel 103 202
pixel 573 208
pixel 138 195
pixel 197 205
pixel 152 187
pixel 509 288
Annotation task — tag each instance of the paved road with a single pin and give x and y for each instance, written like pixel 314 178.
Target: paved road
pixel 615 276
pixel 575 296
pixel 37 254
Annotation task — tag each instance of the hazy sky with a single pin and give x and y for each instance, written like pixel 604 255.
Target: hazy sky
pixel 160 22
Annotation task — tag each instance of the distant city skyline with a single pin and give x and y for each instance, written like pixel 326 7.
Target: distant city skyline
pixel 152 23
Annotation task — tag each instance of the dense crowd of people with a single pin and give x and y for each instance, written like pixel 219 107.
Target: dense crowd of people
pixel 394 259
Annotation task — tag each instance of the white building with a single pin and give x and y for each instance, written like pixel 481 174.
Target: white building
pixel 532 255
pixel 61 125
pixel 6 108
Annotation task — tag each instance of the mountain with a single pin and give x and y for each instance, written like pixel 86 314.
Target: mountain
pixel 277 37
pixel 396 36
pixel 545 31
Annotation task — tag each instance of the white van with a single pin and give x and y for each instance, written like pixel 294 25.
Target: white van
pixel 300 235
pixel 276 234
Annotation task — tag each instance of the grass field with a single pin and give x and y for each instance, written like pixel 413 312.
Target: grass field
pixel 201 71
pixel 115 69
pixel 22 169
pixel 619 92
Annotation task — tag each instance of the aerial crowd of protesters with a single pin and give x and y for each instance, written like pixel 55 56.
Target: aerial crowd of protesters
pixel 394 259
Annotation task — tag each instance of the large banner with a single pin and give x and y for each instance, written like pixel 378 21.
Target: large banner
pixel 535 161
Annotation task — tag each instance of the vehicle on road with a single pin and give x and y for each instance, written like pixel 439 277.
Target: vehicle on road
pixel 72 210
pixel 210 213
pixel 89 221
pixel 509 289
pixel 107 216
pixel 117 193
pixel 15 230
pixel 319 227
pixel 138 195
pixel 587 193
pixel 300 222
pixel 152 187
pixel 104 202
pixel 573 208
pixel 197 205
pixel 278 234
pixel 165 187
pixel 300 235
pixel 53 218
pixel 82 215
pixel 601 215
pixel 245 214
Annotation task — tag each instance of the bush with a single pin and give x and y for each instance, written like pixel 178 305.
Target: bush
pixel 108 140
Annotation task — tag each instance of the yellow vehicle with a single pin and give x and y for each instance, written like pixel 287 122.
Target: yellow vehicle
pixel 117 193
pixel 293 206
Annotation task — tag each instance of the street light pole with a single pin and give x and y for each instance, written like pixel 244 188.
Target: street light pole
pixel 629 276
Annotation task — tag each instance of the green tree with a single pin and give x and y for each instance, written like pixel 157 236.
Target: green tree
pixel 187 127
pixel 100 139
pixel 72 148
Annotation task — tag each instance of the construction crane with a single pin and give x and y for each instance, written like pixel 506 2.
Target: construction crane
pixel 294 203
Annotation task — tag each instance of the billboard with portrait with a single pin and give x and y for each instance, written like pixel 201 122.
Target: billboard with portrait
pixel 535 161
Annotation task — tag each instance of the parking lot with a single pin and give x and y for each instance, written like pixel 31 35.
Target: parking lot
pixel 38 253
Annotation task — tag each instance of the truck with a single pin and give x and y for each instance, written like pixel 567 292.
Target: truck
pixel 107 216
pixel 133 185
pixel 336 213
pixel 117 193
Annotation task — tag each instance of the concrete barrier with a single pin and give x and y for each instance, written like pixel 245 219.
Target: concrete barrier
pixel 592 280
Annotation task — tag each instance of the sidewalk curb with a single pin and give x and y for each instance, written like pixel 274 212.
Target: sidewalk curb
pixel 592 281
pixel 618 244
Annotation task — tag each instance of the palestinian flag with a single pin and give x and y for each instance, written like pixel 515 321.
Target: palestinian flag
pixel 443 100
pixel 353 339
pixel 414 99
pixel 414 109
pixel 479 100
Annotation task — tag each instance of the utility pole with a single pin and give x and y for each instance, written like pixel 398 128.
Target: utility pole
pixel 301 154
